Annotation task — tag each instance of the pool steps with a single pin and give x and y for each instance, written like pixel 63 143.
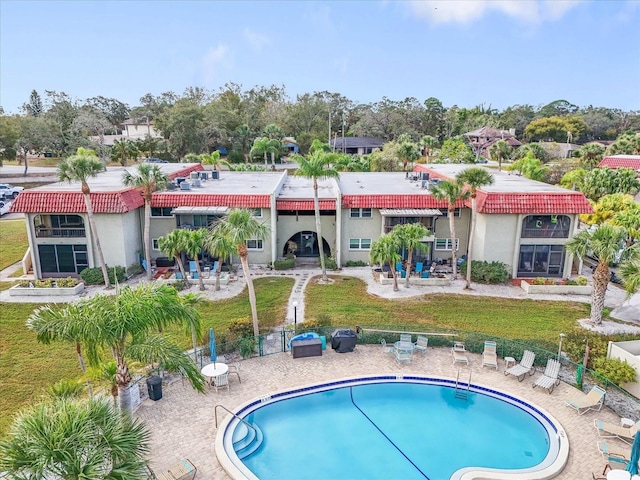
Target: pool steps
pixel 246 441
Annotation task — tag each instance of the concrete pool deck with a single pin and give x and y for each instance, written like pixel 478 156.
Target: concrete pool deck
pixel 183 426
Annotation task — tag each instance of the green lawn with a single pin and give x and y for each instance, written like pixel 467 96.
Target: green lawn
pixel 13 242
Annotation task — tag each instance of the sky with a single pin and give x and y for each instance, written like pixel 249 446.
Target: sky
pixel 464 52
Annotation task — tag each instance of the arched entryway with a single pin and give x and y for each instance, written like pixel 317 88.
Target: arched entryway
pixel 305 244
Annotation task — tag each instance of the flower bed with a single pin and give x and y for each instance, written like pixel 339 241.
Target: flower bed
pixel 48 287
pixel 570 288
pixel 425 282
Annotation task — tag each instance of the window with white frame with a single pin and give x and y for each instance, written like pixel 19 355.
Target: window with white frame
pixel 359 244
pixel 445 243
pixel 257 212
pixel 254 244
pixel 154 244
pixel 161 211
pixel 361 213
pixel 445 212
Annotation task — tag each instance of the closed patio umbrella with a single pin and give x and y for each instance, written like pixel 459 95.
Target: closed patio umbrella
pixel 632 467
pixel 212 346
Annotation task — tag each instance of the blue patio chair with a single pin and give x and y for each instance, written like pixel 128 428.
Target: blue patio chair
pixel 215 266
pixel 425 274
pixel 398 266
pixel 403 274
pixel 193 269
pixel 419 267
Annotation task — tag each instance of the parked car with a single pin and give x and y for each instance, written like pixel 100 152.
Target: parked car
pixel 9 191
pixel 4 207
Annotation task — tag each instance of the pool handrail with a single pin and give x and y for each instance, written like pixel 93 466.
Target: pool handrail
pixel 215 412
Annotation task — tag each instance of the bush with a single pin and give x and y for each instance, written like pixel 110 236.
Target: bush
pixel 247 347
pixel 179 285
pixel 581 280
pixel 235 156
pixel 47 283
pixel 24 284
pixel 356 263
pixel 571 282
pixel 615 370
pixel 487 272
pixel 330 263
pixel 241 328
pixel 93 276
pixel 135 269
pixel 66 282
pixel 285 264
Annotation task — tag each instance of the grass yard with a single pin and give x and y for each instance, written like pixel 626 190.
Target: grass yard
pixel 13 242
pixel 347 302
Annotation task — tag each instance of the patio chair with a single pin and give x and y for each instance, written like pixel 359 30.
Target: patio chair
pixel 609 450
pixel 221 381
pixel 549 378
pixel 419 268
pixel 185 470
pixel 459 353
pixel 591 401
pixel 405 337
pixel 525 366
pixel 235 369
pixel 490 355
pixel 193 269
pixel 386 348
pixel 399 267
pixel 611 430
pixel 421 343
pixel 403 356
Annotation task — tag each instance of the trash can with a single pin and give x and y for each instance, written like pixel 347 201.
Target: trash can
pixel 154 387
pixel 344 340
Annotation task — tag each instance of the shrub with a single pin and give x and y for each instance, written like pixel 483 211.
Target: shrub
pixel 487 272
pixel 47 283
pixel 581 280
pixel 356 263
pixel 93 276
pixel 66 282
pixel 24 284
pixel 247 347
pixel 330 263
pixel 135 269
pixel 241 327
pixel 615 370
pixel 179 285
pixel 571 282
pixel 285 264
pixel 537 281
pixel 235 156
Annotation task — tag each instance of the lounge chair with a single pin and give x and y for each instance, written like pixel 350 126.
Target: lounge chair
pixel 549 378
pixel 611 430
pixel 610 450
pixel 591 401
pixel 459 353
pixel 386 348
pixel 525 366
pixel 184 470
pixel 421 343
pixel 490 355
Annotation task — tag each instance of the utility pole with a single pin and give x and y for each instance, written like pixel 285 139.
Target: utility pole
pixel 344 148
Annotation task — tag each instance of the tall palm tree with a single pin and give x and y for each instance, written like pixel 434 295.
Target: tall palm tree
pixel 604 243
pixel 239 226
pixel 242 138
pixel 193 245
pixel 453 192
pixel 124 324
pixel 590 155
pixel 274 132
pixel 474 178
pixel 264 146
pixel 75 439
pixel 316 165
pixel 173 245
pixel 79 168
pixel 213 159
pixel 500 151
pixel 191 301
pixel 149 178
pixel 123 150
pixel 411 235
pixel 218 246
pixel 428 143
pixel 385 250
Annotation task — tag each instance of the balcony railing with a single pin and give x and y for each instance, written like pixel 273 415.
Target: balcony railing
pixel 45 232
pixel 545 233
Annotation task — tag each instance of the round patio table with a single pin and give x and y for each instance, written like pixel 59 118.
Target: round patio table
pixel 404 346
pixel 214 369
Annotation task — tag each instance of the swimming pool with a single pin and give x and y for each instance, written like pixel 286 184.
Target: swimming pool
pixel 391 427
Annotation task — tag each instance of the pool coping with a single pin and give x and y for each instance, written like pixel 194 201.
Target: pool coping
pixel 550 469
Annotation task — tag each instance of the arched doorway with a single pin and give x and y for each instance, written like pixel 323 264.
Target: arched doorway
pixel 306 245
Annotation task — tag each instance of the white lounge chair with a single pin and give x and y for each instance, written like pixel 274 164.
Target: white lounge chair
pixel 221 381
pixel 611 430
pixel 525 366
pixel 185 470
pixel 421 343
pixel 459 353
pixel 591 401
pixel 490 355
pixel 549 378
pixel 610 450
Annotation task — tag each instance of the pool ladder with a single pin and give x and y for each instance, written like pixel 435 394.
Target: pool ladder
pixel 461 391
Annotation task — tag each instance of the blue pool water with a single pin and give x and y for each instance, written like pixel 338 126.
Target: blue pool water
pixel 393 430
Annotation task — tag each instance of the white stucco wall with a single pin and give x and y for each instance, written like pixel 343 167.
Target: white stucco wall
pixel 462 224
pixel 289 225
pixel 120 238
pixel 495 237
pixel 359 228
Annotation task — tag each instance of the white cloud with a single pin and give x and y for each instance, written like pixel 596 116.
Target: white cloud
pixel 468 11
pixel 216 59
pixel 256 41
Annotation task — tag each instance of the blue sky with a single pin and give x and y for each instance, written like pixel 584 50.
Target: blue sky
pixel 463 52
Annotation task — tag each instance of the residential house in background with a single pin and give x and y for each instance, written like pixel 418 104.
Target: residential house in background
pixel 356 145
pixel 482 139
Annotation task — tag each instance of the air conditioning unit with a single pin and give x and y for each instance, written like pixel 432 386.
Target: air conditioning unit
pixel 196 183
pixel 185 186
pixel 194 175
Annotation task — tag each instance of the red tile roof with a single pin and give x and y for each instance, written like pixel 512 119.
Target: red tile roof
pixel 392 201
pixel 304 204
pixel 73 202
pixel 185 172
pixel 621 161
pixel 164 199
pixel 552 203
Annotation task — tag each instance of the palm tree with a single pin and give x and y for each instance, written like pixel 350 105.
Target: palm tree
pixel 428 143
pixel 148 179
pixel 500 151
pixel 411 235
pixel 191 301
pixel 173 245
pixel 385 250
pixel 75 439
pixel 474 178
pixel 242 137
pixel 237 227
pixel 78 168
pixel 107 373
pixel 316 165
pixel 65 389
pixel 123 150
pixel 453 192
pixel 263 146
pixel 123 325
pixel 214 159
pixel 273 132
pixel 604 243
pixel 193 245
pixel 590 155
pixel 218 246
